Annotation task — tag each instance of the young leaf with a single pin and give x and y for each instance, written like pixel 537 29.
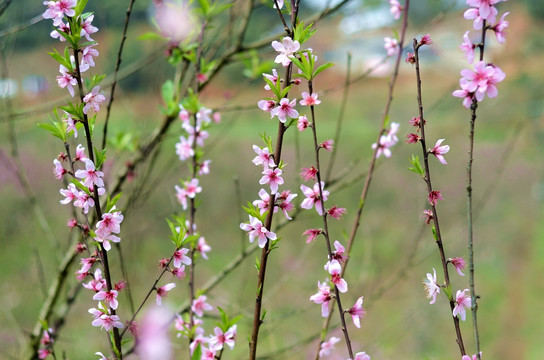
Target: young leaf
pixel 321 68
pixel 56 129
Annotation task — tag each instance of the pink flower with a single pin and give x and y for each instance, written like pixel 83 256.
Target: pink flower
pixel 274 78
pixel 468 97
pixel 311 234
pixel 327 145
pixel 87 57
pixel 459 264
pixel 309 100
pixel 180 257
pixel 263 157
pixel 412 138
pixel 105 240
pixel 396 9
pixel 109 297
pixel 335 269
pixel 200 305
pixel 286 49
pixel 410 58
pixel 57 9
pixel 59 171
pixel 90 175
pixel 110 223
pixel 482 80
pixel 153 335
pixel 357 312
pixel 462 302
pixel 385 143
pixel 65 79
pixel 204 167
pixel 184 149
pixel 256 229
pixel 474 357
pixel 327 346
pixel 361 356
pixel 80 153
pixel 228 338
pixel 196 133
pixel 108 322
pixel 181 194
pixel 313 197
pixel 62 27
pixel 416 122
pixel 439 151
pixel 309 173
pixel 302 123
pixel 266 105
pixel 102 357
pixel 284 110
pixel 43 353
pixel 280 3
pixel 93 100
pixel 202 247
pixel 428 216
pixel 484 9
pixel 192 188
pixel 208 353
pixel 500 27
pixel 262 204
pixel 431 287
pixel 434 196
pixel 323 297
pixel 478 16
pixel 338 254
pixel 336 212
pixel 70 124
pixel 285 203
pixel 174 20
pixel 272 178
pixel 426 40
pixel 179 272
pixel 391 46
pixel 162 292
pixel 87 29
pixel 468 48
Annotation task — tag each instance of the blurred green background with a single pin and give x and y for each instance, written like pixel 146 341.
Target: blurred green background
pixel 392 252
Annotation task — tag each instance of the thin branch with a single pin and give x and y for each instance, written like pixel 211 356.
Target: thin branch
pixel 427 179
pixel 115 72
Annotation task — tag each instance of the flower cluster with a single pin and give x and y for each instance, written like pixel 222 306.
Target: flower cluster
pixel 480 81
pixel 210 345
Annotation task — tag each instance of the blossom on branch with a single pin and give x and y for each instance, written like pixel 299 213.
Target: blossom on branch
pixel 286 48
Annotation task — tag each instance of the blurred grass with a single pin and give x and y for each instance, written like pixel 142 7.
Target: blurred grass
pixel 400 324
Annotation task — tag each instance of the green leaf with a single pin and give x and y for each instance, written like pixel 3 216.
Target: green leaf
pixel 273 87
pixel 150 36
pixel 44 324
pixel 110 203
pixel 257 264
pixel 80 186
pixel 217 9
pixel 100 157
pixel 302 34
pixel 197 354
pixel 167 91
pixel 56 129
pixel 434 233
pixel 447 291
pixel 80 7
pixel 285 91
pixel 62 60
pixel 321 68
pixel 416 165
